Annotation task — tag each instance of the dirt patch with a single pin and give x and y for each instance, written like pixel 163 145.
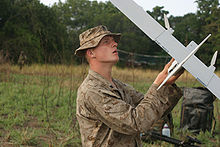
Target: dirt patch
pixel 32 122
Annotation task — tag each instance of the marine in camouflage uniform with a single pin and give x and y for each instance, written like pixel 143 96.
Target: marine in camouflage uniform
pixel 21 60
pixel 111 113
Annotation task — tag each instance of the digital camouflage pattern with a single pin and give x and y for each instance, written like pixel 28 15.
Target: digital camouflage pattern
pixel 92 37
pixel 115 116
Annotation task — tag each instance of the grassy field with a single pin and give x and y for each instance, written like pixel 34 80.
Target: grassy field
pixel 37 104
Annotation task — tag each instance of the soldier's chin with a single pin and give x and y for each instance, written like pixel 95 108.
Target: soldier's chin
pixel 116 60
pixel 111 61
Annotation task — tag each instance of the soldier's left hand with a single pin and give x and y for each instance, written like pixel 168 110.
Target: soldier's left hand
pixel 163 74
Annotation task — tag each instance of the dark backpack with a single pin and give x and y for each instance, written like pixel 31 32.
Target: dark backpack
pixel 197 110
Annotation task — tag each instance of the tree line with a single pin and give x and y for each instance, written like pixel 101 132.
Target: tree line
pixel 50 34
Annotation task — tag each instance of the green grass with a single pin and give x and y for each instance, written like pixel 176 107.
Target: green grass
pixel 37 114
pixel 37 105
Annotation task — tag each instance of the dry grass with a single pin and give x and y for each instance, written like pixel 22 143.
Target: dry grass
pixel 73 75
pixel 141 76
pixel 79 72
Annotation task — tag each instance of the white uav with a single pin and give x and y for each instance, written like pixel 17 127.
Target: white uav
pixel 184 56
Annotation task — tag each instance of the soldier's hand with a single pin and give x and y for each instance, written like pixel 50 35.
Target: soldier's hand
pixel 163 74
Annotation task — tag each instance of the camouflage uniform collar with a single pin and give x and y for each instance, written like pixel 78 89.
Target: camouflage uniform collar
pixel 101 78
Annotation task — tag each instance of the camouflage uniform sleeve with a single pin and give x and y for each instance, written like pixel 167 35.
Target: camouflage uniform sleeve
pixel 124 118
pixel 135 95
pixel 172 100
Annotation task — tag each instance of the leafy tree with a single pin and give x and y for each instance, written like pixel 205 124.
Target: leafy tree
pixel 50 34
pixel 15 34
pixel 33 28
pixel 208 14
pixel 186 28
pixel 158 14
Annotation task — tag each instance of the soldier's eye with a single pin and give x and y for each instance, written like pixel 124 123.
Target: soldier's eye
pixel 106 41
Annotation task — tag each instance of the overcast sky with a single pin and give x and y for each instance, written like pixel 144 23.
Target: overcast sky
pixel 175 7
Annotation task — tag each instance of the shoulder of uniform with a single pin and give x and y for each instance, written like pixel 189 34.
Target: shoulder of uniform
pixel 120 83
pixel 124 85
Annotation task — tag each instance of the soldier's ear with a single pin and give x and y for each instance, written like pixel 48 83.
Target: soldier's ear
pixel 90 53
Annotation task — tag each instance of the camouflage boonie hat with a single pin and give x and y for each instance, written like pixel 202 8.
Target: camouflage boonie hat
pixel 92 37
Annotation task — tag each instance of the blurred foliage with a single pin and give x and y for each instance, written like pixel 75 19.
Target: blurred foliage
pixel 50 34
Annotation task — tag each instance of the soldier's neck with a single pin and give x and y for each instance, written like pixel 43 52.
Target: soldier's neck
pixel 105 71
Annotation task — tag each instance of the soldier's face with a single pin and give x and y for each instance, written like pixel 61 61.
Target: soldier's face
pixel 106 51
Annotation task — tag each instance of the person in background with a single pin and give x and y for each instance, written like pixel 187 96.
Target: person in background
pixel 21 60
